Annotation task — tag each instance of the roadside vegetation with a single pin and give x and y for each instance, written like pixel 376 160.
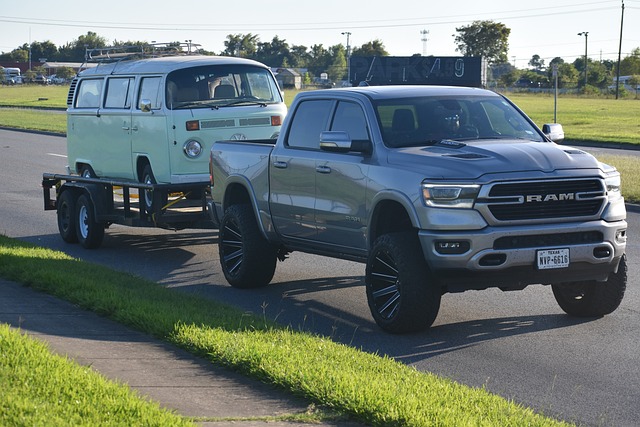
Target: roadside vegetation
pixel 365 387
pixel 583 118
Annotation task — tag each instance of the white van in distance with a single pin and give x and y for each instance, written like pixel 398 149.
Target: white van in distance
pixel 154 119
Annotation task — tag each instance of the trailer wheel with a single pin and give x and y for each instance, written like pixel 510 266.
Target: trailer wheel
pixel 66 212
pixel 90 232
pixel 401 293
pixel 590 298
pixel 248 260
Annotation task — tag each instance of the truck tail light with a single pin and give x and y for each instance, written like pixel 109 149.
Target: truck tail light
pixel 276 120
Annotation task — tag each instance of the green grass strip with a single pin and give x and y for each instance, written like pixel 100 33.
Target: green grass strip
pixel 39 388
pixel 367 387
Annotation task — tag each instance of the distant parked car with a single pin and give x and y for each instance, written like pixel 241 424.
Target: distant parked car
pixel 54 79
pixel 41 79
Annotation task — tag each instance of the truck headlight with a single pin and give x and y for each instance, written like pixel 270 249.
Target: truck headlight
pixel 450 196
pixel 192 148
pixel 613 186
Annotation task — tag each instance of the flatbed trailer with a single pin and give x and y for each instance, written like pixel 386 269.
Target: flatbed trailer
pixel 87 206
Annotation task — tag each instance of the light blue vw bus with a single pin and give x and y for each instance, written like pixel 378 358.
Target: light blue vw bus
pixel 154 119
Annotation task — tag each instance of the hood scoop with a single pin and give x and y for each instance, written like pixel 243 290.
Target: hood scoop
pixel 467 156
pixel 574 151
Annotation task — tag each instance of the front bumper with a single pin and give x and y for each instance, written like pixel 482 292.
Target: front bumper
pixel 506 256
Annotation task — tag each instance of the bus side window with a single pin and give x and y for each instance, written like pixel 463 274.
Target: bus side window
pixel 150 90
pixel 119 92
pixel 89 93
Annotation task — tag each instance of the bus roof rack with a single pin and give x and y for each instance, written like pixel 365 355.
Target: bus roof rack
pixel 148 50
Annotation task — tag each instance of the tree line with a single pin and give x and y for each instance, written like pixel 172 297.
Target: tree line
pixel 486 38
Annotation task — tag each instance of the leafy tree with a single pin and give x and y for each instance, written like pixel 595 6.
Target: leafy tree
pixel 65 72
pixel 338 68
pixel 273 53
pixel 567 75
pixel 372 48
pixel 484 38
pixel 536 62
pixel 243 45
pixel 597 74
pixel 76 50
pixel 16 55
pixel 631 64
pixel 299 56
pixel 634 82
pixel 509 78
pixel 319 59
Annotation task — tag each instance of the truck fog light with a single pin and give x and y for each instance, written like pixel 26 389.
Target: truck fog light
pixel 192 148
pixel 446 247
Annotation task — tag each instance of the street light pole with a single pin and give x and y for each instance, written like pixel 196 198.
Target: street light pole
pixel 619 51
pixel 586 36
pixel 347 33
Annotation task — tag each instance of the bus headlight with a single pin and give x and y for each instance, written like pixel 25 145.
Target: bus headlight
pixel 192 149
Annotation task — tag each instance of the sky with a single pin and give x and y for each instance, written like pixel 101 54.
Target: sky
pixel 548 28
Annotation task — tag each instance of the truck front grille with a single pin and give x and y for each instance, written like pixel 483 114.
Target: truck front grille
pixel 536 200
pixel 536 241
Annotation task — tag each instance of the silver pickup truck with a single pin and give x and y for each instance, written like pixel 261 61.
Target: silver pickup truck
pixel 435 189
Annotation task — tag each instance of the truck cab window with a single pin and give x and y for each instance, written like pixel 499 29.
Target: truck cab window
pixel 310 119
pixel 350 118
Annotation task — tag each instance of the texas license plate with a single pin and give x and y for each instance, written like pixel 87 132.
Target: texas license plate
pixel 552 258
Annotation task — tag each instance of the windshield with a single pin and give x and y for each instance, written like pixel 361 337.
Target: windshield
pixel 420 121
pixel 218 86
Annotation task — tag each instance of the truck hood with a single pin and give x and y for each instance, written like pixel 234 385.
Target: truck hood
pixel 455 160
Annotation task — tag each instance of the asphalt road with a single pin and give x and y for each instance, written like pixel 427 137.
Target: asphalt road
pixel 517 344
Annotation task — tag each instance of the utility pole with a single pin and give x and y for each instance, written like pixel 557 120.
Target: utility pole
pixel 347 33
pixel 424 41
pixel 586 37
pixel 619 52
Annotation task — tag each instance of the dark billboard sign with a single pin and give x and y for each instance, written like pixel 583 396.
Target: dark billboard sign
pixel 417 70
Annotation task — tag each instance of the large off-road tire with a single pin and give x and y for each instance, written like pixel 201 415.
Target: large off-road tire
pixel 90 232
pixel 247 258
pixel 402 295
pixel 591 298
pixel 66 213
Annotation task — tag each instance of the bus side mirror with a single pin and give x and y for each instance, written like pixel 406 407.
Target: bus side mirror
pixel 145 105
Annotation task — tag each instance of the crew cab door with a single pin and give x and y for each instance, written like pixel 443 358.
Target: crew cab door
pixel 293 171
pixel 341 183
pixel 319 195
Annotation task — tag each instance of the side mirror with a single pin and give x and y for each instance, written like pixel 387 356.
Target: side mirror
pixel 340 141
pixel 145 105
pixel 553 131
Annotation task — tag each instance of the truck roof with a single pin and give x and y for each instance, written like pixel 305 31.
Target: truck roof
pixel 410 91
pixel 165 64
